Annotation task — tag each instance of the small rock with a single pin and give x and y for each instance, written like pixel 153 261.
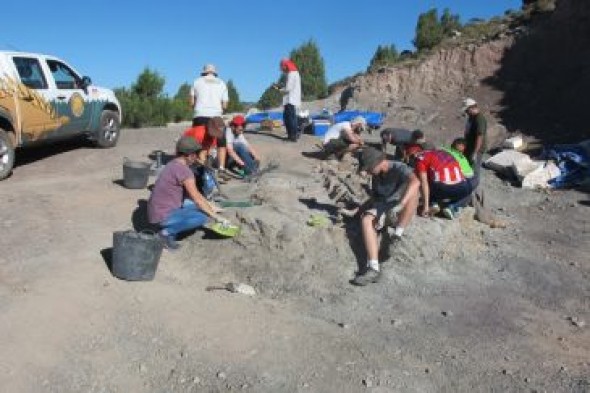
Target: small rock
pixel 142 368
pixel 221 375
pixel 368 383
pixel 505 372
pixel 527 380
pixel 427 370
pixel 241 288
pixel 396 322
pixel 447 313
pixel 563 369
pixel 322 300
pixel 577 322
pixel 343 325
pixel 305 385
pixel 196 380
pixel 244 386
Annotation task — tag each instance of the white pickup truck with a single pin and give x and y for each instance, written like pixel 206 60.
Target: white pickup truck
pixel 43 99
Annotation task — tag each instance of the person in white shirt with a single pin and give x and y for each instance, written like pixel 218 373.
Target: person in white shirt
pixel 208 96
pixel 239 149
pixel 291 98
pixel 344 137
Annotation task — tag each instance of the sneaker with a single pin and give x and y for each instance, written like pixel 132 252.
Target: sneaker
pixel 367 277
pixel 169 242
pixel 448 213
pixel 434 209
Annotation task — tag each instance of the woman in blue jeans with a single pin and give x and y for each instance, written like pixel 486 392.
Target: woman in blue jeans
pixel 239 149
pixel 167 207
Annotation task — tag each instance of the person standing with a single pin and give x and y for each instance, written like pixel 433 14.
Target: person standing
pixel 394 190
pixel 167 206
pixel 209 98
pixel 291 98
pixel 475 133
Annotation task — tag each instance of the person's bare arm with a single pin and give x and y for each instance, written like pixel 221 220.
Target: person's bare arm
pixel 191 189
pixel 425 188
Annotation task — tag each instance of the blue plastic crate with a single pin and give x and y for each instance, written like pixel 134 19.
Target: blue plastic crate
pixel 320 128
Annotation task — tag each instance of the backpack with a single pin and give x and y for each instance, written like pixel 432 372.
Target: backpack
pixel 206 182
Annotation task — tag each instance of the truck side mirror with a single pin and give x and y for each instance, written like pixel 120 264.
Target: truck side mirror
pixel 86 81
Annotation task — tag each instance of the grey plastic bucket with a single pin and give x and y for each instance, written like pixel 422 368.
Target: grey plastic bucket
pixel 136 255
pixel 136 174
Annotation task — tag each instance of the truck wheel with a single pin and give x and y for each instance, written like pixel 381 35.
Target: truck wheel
pixel 6 154
pixel 110 128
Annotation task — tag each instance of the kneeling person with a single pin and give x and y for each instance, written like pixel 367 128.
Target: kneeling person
pixel 239 149
pixel 344 137
pixel 394 189
pixel 167 206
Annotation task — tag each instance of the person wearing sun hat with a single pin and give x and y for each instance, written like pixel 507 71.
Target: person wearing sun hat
pixel 475 133
pixel 394 198
pixel 167 207
pixel 208 96
pixel 291 98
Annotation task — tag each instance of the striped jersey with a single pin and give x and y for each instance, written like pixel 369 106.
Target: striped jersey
pixel 440 166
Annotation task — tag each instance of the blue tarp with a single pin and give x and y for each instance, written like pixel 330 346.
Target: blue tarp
pixel 374 119
pixel 573 162
pixel 262 116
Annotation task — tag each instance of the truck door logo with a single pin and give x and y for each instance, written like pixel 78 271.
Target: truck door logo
pixel 77 104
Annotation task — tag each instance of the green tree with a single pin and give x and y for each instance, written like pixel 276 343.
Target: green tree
pixel 149 84
pixel 271 98
pixel 384 55
pixel 181 110
pixel 429 32
pixel 311 68
pixel 234 104
pixel 449 22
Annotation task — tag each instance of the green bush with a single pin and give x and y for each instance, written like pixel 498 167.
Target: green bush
pixel 384 56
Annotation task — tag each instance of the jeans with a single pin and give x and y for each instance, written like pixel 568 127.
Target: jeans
pixel 250 164
pixel 458 194
pixel 185 218
pixel 290 121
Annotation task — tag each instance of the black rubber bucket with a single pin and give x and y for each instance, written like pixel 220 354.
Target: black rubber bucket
pixel 136 255
pixel 136 174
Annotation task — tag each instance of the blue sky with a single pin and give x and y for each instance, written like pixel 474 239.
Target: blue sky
pixel 113 41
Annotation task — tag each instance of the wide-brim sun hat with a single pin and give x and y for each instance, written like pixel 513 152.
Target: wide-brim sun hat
pixel 209 69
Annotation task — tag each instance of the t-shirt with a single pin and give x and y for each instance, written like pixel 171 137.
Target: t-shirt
pixel 293 89
pixel 399 136
pixel 440 166
pixel 201 136
pixel 476 125
pixel 209 92
pixel 461 159
pixel 231 138
pixel 336 131
pixel 168 191
pixel 391 185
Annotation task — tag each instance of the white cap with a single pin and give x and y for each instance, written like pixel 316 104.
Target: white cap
pixel 468 103
pixel 360 120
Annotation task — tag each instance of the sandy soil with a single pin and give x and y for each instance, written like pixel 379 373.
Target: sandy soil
pixel 461 307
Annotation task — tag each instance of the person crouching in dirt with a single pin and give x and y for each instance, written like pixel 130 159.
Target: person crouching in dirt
pixel 209 136
pixel 400 138
pixel 344 137
pixel 166 206
pixel 394 192
pixel 457 150
pixel 442 182
pixel 239 149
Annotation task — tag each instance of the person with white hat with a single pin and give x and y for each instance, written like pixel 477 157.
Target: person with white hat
pixel 344 137
pixel 475 133
pixel 208 96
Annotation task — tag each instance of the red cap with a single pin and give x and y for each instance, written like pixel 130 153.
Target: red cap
pixel 413 149
pixel 238 120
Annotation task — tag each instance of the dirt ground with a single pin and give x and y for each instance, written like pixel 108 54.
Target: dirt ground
pixel 461 307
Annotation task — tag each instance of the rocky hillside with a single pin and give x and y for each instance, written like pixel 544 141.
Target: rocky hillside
pixel 528 73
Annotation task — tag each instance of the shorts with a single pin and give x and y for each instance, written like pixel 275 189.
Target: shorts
pixel 200 121
pixel 378 209
pixel 335 145
pixel 201 136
